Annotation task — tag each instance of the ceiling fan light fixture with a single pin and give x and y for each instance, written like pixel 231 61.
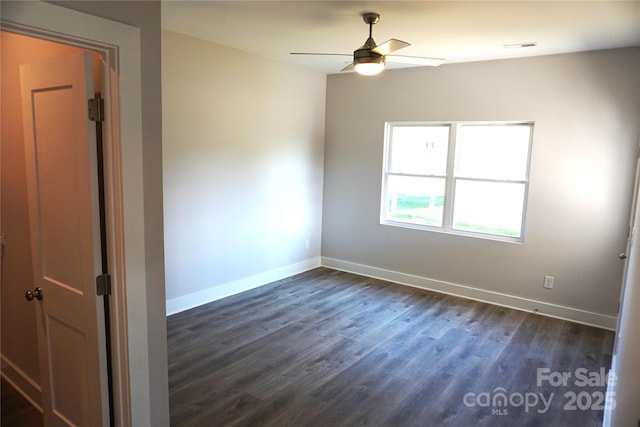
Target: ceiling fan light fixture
pixel 369 68
pixel 368 63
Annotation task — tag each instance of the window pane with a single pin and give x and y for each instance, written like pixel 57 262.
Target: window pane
pixel 488 207
pixel 415 200
pixel 494 152
pixel 420 150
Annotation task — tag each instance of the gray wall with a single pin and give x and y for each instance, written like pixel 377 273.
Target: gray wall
pixel 243 144
pixel 585 107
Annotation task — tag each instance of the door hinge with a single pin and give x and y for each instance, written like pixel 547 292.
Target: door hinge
pixel 96 109
pixel 103 284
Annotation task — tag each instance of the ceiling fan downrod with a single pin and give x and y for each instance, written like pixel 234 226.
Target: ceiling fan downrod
pixel 365 60
pixel 371 18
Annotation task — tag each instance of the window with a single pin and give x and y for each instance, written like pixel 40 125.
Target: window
pixel 462 178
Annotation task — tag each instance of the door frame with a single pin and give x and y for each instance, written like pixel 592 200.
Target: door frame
pixel 119 46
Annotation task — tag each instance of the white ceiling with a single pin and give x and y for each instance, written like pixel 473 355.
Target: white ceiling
pixel 459 31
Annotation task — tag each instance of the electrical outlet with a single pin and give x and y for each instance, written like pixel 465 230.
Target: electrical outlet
pixel 548 282
pixel 306 244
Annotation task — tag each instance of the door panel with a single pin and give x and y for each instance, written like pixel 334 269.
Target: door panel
pixel 67 347
pixel 60 148
pixel 59 231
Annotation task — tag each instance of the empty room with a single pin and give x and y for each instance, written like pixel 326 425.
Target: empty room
pixel 275 164
pixel 324 213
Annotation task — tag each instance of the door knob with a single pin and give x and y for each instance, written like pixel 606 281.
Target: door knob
pixel 36 293
pixel 622 256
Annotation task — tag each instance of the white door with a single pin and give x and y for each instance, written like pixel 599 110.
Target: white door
pixel 629 247
pixel 624 391
pixel 60 149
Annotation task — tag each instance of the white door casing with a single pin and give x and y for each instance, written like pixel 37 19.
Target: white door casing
pixel 61 160
pixel 119 46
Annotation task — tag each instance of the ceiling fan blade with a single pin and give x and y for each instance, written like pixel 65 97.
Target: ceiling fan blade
pixel 348 67
pixel 415 60
pixel 314 53
pixel 389 46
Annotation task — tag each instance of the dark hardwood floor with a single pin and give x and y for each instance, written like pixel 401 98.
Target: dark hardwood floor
pixel 328 348
pixel 16 410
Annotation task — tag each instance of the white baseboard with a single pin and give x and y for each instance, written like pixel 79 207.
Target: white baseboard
pixel 20 381
pixel 186 302
pixel 496 298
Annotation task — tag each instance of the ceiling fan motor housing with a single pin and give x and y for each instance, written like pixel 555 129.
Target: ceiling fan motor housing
pixel 365 54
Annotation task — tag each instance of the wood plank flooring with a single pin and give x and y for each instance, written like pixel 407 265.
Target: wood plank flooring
pixel 328 348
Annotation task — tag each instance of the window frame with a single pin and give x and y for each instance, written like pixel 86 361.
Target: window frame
pixel 451 179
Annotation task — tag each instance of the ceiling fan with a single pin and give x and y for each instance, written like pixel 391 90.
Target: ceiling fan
pixel 370 58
